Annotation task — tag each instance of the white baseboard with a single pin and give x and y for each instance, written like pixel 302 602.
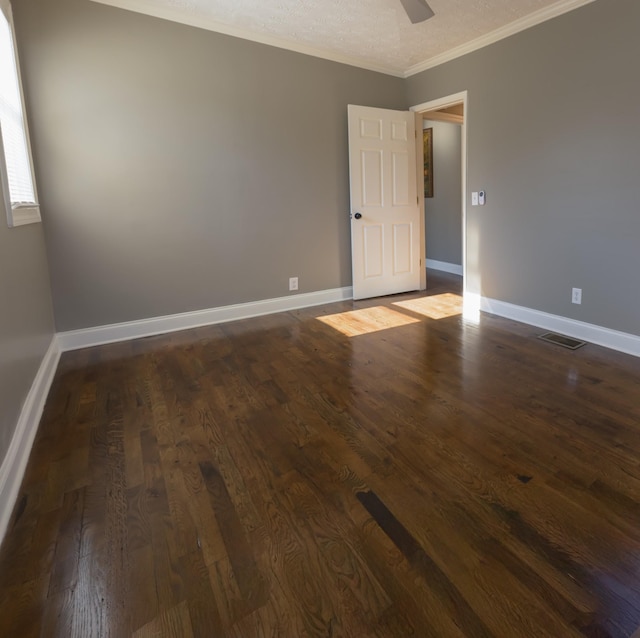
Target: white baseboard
pixel 454 269
pixel 15 461
pixel 100 335
pixel 620 341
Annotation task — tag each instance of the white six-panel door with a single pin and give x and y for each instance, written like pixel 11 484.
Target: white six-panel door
pixel 385 219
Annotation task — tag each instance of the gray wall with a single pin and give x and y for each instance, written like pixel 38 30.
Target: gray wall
pixel 127 110
pixel 26 318
pixel 182 169
pixel 553 138
pixel 443 211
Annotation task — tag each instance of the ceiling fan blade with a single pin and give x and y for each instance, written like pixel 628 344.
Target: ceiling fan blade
pixel 417 10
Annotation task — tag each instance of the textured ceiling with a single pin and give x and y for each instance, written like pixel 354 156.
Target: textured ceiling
pixel 374 34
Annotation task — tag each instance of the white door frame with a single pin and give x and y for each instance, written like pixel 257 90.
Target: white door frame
pixel 419 109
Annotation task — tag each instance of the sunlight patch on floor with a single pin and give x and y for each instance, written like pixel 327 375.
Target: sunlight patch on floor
pixel 436 307
pixel 367 320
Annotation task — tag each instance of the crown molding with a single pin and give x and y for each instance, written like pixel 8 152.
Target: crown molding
pixel 174 15
pixel 538 17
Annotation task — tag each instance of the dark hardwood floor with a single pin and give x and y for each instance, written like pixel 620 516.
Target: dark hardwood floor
pixel 378 468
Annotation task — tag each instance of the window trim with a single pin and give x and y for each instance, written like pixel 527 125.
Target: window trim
pixel 18 214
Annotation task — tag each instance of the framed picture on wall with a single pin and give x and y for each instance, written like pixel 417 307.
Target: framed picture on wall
pixel 427 142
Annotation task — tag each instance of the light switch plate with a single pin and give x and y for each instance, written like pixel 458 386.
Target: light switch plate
pixel 474 198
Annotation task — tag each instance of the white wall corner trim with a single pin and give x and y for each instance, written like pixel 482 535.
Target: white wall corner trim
pixel 100 335
pixel 15 462
pixel 444 266
pixel 620 341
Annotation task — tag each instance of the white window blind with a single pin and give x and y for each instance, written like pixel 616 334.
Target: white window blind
pixel 18 177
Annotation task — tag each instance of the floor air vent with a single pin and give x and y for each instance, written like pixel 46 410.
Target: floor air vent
pixel 561 340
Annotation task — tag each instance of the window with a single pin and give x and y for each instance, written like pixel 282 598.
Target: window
pixel 16 167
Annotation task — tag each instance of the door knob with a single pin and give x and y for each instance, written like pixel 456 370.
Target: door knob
pixel 358 215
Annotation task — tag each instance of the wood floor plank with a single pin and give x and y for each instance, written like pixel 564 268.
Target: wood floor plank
pixel 174 621
pixel 143 604
pixel 22 607
pixel 203 612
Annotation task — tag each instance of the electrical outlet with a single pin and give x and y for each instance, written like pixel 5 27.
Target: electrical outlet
pixel 293 283
pixel 576 296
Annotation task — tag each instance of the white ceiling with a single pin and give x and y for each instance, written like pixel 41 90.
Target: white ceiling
pixel 373 34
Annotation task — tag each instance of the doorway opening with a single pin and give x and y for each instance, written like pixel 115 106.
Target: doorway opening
pixel 445 206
